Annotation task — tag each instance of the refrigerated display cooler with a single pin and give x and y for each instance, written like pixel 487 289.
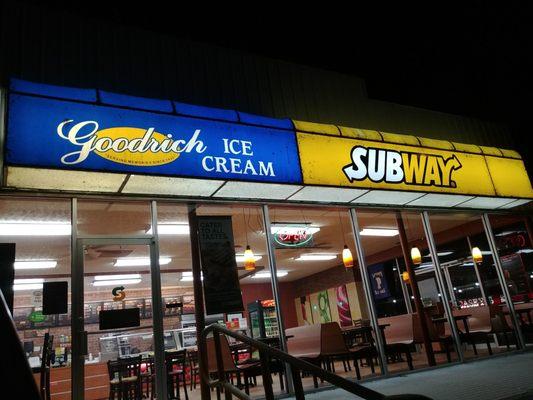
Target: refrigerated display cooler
pixel 263 319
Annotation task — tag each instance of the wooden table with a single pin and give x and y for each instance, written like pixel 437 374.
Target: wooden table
pixel 366 331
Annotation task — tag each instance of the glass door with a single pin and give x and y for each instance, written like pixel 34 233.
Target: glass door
pixel 117 339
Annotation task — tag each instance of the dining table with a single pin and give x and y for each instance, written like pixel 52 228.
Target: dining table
pixel 351 333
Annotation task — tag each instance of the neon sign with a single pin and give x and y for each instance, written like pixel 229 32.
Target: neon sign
pixel 294 235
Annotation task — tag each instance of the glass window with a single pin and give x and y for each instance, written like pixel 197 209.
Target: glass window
pixel 113 217
pixel 472 283
pixel 258 318
pixel 323 289
pixel 40 230
pixel 392 289
pixel 515 249
pixel 176 277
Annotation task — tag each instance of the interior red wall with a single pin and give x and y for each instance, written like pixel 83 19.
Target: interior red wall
pixel 263 291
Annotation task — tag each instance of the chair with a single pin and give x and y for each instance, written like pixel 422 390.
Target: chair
pixel 304 342
pixel 399 336
pixel 482 323
pixel 249 370
pixel 176 364
pixel 148 378
pixel 333 346
pixel 194 367
pixel 124 378
pixel 45 366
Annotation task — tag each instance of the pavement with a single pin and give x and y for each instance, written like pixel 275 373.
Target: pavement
pixel 508 377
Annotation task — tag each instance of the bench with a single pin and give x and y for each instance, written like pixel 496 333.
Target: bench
pixel 324 343
pixel 403 331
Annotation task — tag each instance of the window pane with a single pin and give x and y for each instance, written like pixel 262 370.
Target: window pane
pixel 40 229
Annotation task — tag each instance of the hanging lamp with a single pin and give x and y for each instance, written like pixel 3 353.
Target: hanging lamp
pixel 249 257
pixel 477 256
pixel 416 257
pixel 347 257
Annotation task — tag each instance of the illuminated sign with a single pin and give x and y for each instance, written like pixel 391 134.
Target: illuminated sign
pixel 83 134
pixel 61 134
pixel 392 166
pixel 293 235
pixel 348 162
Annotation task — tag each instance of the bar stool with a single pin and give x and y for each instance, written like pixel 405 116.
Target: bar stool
pixel 176 363
pixel 194 367
pixel 124 378
pixel 148 378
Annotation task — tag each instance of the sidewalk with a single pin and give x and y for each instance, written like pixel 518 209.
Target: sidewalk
pixel 507 377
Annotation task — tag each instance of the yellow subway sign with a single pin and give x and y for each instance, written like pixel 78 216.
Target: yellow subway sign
pixel 348 162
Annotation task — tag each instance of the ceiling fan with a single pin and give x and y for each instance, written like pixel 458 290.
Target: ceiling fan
pixel 107 251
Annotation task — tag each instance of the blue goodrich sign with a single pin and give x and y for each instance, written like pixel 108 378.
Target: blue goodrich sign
pixel 61 134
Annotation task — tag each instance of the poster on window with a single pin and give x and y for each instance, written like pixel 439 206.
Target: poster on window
pixel 378 281
pixel 222 290
pixel 343 306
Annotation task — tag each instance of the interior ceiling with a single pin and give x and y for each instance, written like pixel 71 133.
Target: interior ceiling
pixel 98 217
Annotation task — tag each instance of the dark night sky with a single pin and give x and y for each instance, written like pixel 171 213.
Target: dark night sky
pixel 473 60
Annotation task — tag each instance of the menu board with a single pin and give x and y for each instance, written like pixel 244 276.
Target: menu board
pixel 221 281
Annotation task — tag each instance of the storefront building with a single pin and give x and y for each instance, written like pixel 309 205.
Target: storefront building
pixel 132 186
pixel 130 200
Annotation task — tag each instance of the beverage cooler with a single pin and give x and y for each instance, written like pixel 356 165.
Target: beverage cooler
pixel 263 320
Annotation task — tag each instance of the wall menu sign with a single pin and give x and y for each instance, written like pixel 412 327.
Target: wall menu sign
pixel 348 162
pixel 44 132
pixel 222 290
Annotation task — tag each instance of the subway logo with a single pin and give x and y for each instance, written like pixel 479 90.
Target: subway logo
pixel 390 166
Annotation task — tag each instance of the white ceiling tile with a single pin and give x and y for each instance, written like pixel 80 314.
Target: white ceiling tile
pixel 516 203
pixel 486 202
pixel 54 179
pixel 255 190
pixel 327 194
pixel 387 197
pixel 160 185
pixel 439 200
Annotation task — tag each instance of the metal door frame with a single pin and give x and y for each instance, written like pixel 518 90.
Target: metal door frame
pixel 77 320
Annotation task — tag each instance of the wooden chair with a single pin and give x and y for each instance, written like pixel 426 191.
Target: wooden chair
pixel 400 335
pixel 333 346
pixel 194 367
pixel 484 321
pixel 176 364
pixel 247 371
pixel 124 378
pixel 304 342
pixel 148 378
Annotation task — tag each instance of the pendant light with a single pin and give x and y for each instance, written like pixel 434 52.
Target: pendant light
pixel 347 257
pixel 405 276
pixel 249 258
pixel 476 255
pixel 416 257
